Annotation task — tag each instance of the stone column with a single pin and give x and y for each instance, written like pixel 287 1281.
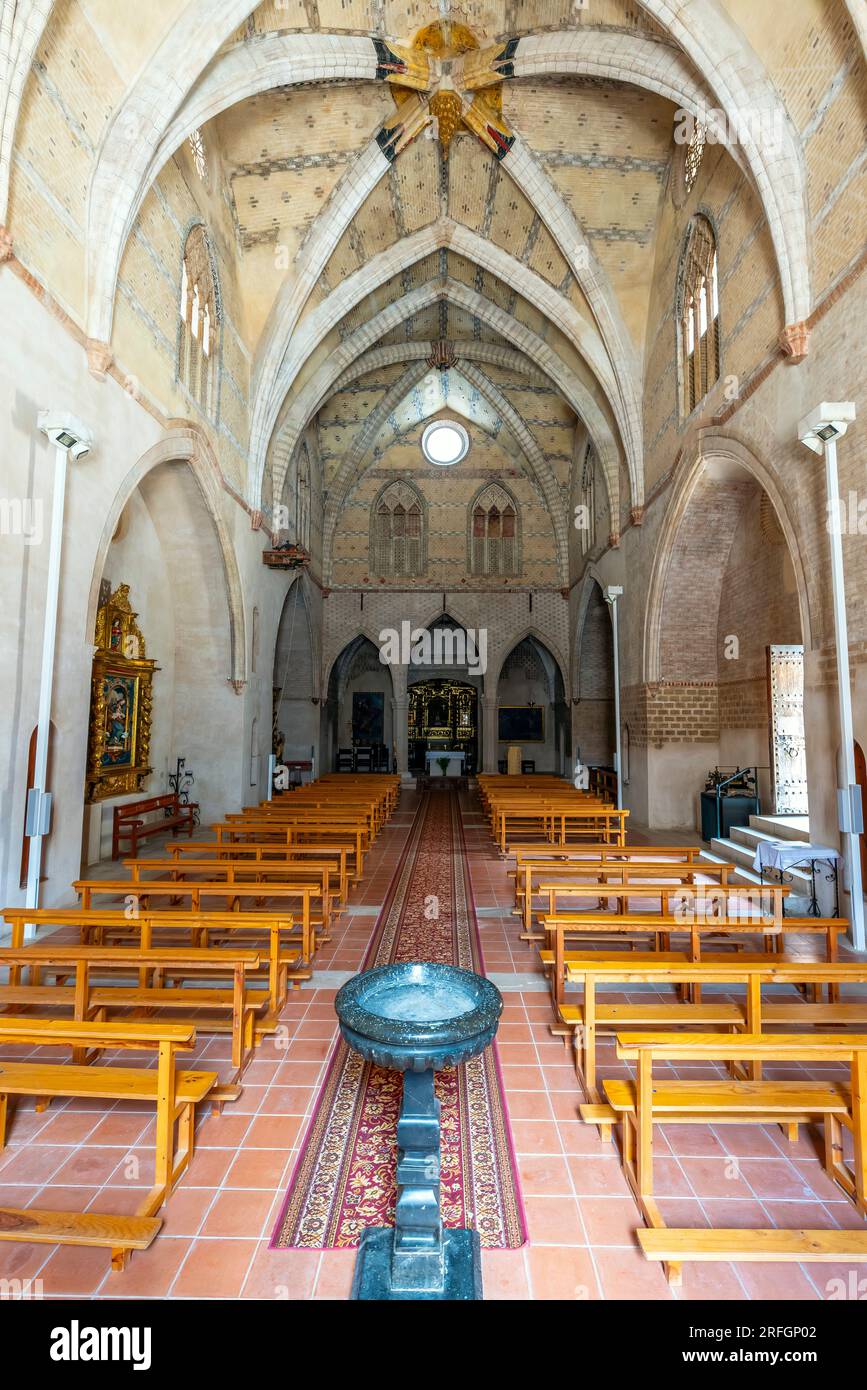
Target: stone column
pixel 489 733
pixel 399 708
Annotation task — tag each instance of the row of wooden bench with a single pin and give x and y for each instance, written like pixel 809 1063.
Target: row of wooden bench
pixel 143 961
pixel 547 810
pixel 704 1002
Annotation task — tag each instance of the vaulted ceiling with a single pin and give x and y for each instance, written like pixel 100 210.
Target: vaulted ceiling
pixel 456 206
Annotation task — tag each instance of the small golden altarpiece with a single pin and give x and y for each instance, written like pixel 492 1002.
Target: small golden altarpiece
pixel 121 702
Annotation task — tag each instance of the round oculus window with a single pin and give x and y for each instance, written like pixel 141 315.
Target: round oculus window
pixel 444 443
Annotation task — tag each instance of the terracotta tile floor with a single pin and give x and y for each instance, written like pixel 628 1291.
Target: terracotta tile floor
pixel 580 1215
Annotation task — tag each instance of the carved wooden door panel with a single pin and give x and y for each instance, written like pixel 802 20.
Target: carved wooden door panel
pixel 788 750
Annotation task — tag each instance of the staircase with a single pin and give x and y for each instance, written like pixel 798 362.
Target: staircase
pixel 740 850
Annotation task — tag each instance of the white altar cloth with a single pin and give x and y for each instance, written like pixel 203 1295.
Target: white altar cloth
pixel 781 854
pixel 455 766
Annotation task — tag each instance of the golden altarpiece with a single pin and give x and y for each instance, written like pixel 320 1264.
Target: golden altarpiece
pixel 121 702
pixel 442 715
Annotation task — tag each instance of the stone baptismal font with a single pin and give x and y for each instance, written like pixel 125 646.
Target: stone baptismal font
pixel 418 1017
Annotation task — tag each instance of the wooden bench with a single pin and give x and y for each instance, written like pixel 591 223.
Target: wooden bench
pixel 647 1101
pixel 239 871
pixel 584 1020
pixel 152 969
pixel 661 928
pixel 174 1093
pixel 287 955
pixel 556 822
pixel 534 879
pixel 139 895
pixel 129 823
pixel 336 855
pixel 298 832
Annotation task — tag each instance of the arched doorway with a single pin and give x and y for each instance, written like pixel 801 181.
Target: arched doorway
pixel 166 548
pixel 726 594
pixel 359 708
pixel 444 669
pixel 593 722
pixel 531 708
pixel 295 681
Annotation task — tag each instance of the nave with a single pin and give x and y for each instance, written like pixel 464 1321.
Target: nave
pixel 282 1181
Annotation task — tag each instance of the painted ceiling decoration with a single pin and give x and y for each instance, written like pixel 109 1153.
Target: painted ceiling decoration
pixel 418 206
pixel 435 63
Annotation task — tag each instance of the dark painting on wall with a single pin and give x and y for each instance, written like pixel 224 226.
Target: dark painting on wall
pixel 368 718
pixel 521 724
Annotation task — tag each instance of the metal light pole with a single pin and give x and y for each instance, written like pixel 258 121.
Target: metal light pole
pixel 611 595
pixel 69 437
pixel 820 431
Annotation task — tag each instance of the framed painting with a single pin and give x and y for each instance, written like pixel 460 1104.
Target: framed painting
pixel 521 724
pixel 368 716
pixel 121 701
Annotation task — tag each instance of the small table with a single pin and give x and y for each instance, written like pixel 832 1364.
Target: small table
pixel 781 855
pixel 455 766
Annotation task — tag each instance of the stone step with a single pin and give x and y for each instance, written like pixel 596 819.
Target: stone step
pixel 742 854
pixel 782 827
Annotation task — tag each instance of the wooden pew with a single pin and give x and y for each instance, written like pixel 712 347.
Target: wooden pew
pixel 335 855
pixel 295 832
pixel 557 823
pixel 584 1020
pixel 600 925
pixel 648 1101
pixel 531 875
pixel 129 823
pixel 91 1002
pixel 288 954
pixel 174 1093
pixel 171 889
pixel 268 874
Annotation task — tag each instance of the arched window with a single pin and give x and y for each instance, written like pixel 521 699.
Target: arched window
pixel 494 533
pixel 397 533
pixel 302 500
pixel 200 158
pixel 698 314
pixel 198 344
pixel 587 529
pixel 693 155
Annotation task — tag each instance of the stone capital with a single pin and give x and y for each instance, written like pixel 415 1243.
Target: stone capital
pixel 99 358
pixel 795 340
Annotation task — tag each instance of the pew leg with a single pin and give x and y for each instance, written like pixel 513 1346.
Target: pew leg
pixel 4 1100
pixel 792 1133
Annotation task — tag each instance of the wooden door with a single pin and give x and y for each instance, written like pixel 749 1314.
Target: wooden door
pixel 788 744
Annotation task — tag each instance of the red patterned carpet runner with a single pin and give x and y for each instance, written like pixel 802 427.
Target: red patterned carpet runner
pixel 345 1177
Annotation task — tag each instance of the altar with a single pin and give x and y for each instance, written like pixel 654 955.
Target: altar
pixel 453 768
